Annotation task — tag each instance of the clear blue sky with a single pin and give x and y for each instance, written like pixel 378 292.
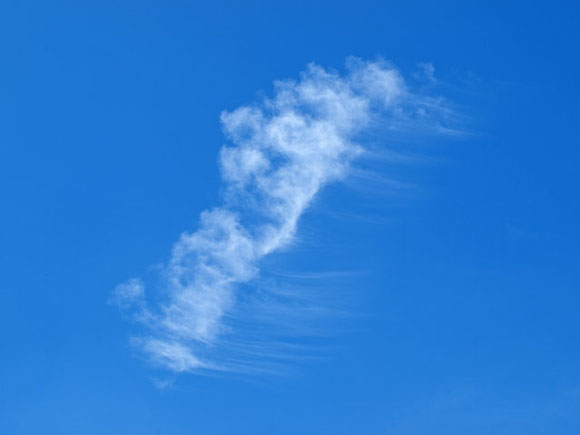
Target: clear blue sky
pixel 462 291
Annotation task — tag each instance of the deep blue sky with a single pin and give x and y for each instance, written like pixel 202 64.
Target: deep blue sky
pixel 468 305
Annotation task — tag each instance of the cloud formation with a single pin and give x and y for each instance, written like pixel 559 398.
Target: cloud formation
pixel 283 151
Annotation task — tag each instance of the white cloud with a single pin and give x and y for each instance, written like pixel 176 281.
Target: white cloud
pixel 128 294
pixel 427 71
pixel 282 152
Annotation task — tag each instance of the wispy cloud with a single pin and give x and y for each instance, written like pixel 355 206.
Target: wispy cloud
pixel 427 72
pixel 283 151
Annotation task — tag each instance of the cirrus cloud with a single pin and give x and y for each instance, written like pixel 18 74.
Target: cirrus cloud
pixel 283 151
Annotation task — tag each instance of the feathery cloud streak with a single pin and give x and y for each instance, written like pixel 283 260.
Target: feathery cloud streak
pixel 284 150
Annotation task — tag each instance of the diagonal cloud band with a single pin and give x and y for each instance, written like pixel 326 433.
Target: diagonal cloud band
pixel 283 151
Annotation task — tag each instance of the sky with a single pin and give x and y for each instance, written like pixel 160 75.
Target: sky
pixel 293 217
